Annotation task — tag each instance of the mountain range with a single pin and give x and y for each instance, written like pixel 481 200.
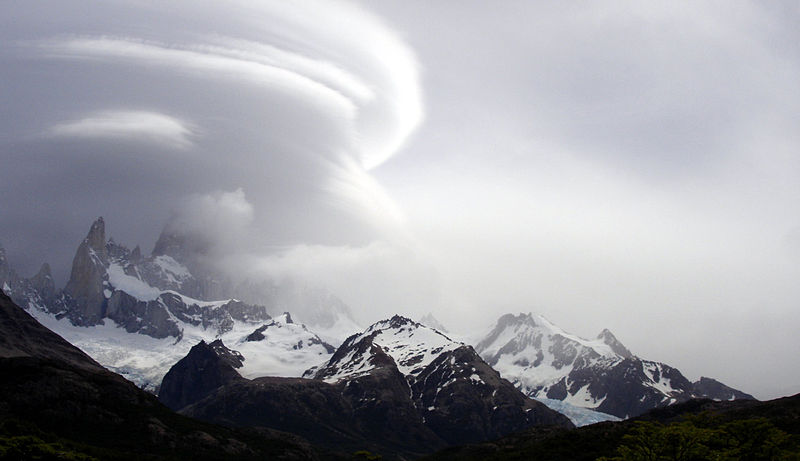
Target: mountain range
pixel 398 387
pixel 545 362
pixel 139 315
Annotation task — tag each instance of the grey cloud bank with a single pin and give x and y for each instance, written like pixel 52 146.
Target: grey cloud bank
pixel 624 165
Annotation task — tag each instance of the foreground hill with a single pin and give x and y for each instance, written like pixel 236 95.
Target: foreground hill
pixel 55 399
pixel 696 429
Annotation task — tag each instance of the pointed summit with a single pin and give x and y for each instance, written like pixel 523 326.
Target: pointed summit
pixel 85 286
pixel 431 321
pixel 136 255
pixel 43 283
pixel 96 239
pixel 608 338
pixel 184 247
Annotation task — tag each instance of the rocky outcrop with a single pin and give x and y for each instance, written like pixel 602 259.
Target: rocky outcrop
pixel 463 399
pixel 146 317
pixel 205 369
pixel 85 286
pixel 43 283
pixel 712 389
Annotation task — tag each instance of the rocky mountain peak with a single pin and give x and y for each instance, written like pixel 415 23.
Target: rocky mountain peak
pixel 508 320
pixel 397 321
pixel 96 239
pixel 205 368
pixel 408 345
pixel 184 247
pixel 85 285
pixel 608 338
pixel 136 255
pixel 43 282
pixel 230 356
pixel 432 322
pixel 712 389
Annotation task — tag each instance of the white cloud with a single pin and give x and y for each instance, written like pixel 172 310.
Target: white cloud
pixel 221 221
pixel 135 125
pixel 272 69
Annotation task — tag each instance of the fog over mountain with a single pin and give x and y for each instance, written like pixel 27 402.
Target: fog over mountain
pixel 625 165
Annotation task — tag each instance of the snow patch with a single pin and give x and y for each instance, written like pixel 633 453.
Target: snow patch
pixel 131 285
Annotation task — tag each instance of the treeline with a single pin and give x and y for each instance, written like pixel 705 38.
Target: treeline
pixel 701 437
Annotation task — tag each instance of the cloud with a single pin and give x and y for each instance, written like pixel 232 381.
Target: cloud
pixel 272 68
pixel 219 221
pixel 293 103
pixel 379 279
pixel 135 125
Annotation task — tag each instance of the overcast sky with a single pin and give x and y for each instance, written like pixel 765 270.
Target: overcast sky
pixel 624 165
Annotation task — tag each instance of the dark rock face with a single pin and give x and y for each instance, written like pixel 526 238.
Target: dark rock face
pixel 47 386
pixel 229 356
pixel 85 286
pixel 712 389
pixel 22 336
pixel 148 318
pixel 373 411
pixel 463 400
pixel 206 368
pixel 620 382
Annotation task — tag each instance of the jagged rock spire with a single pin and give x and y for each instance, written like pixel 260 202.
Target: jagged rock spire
pixel 85 286
pixel 43 282
pixel 96 239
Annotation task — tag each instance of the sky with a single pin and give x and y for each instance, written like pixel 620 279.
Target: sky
pixel 622 165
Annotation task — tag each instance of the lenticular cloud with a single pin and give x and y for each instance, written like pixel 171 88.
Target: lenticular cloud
pixel 334 57
pixel 294 103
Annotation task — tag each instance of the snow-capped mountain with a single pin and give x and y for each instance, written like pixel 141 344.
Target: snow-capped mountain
pixel 546 362
pixel 132 313
pixel 411 345
pixel 398 382
pixel 460 396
